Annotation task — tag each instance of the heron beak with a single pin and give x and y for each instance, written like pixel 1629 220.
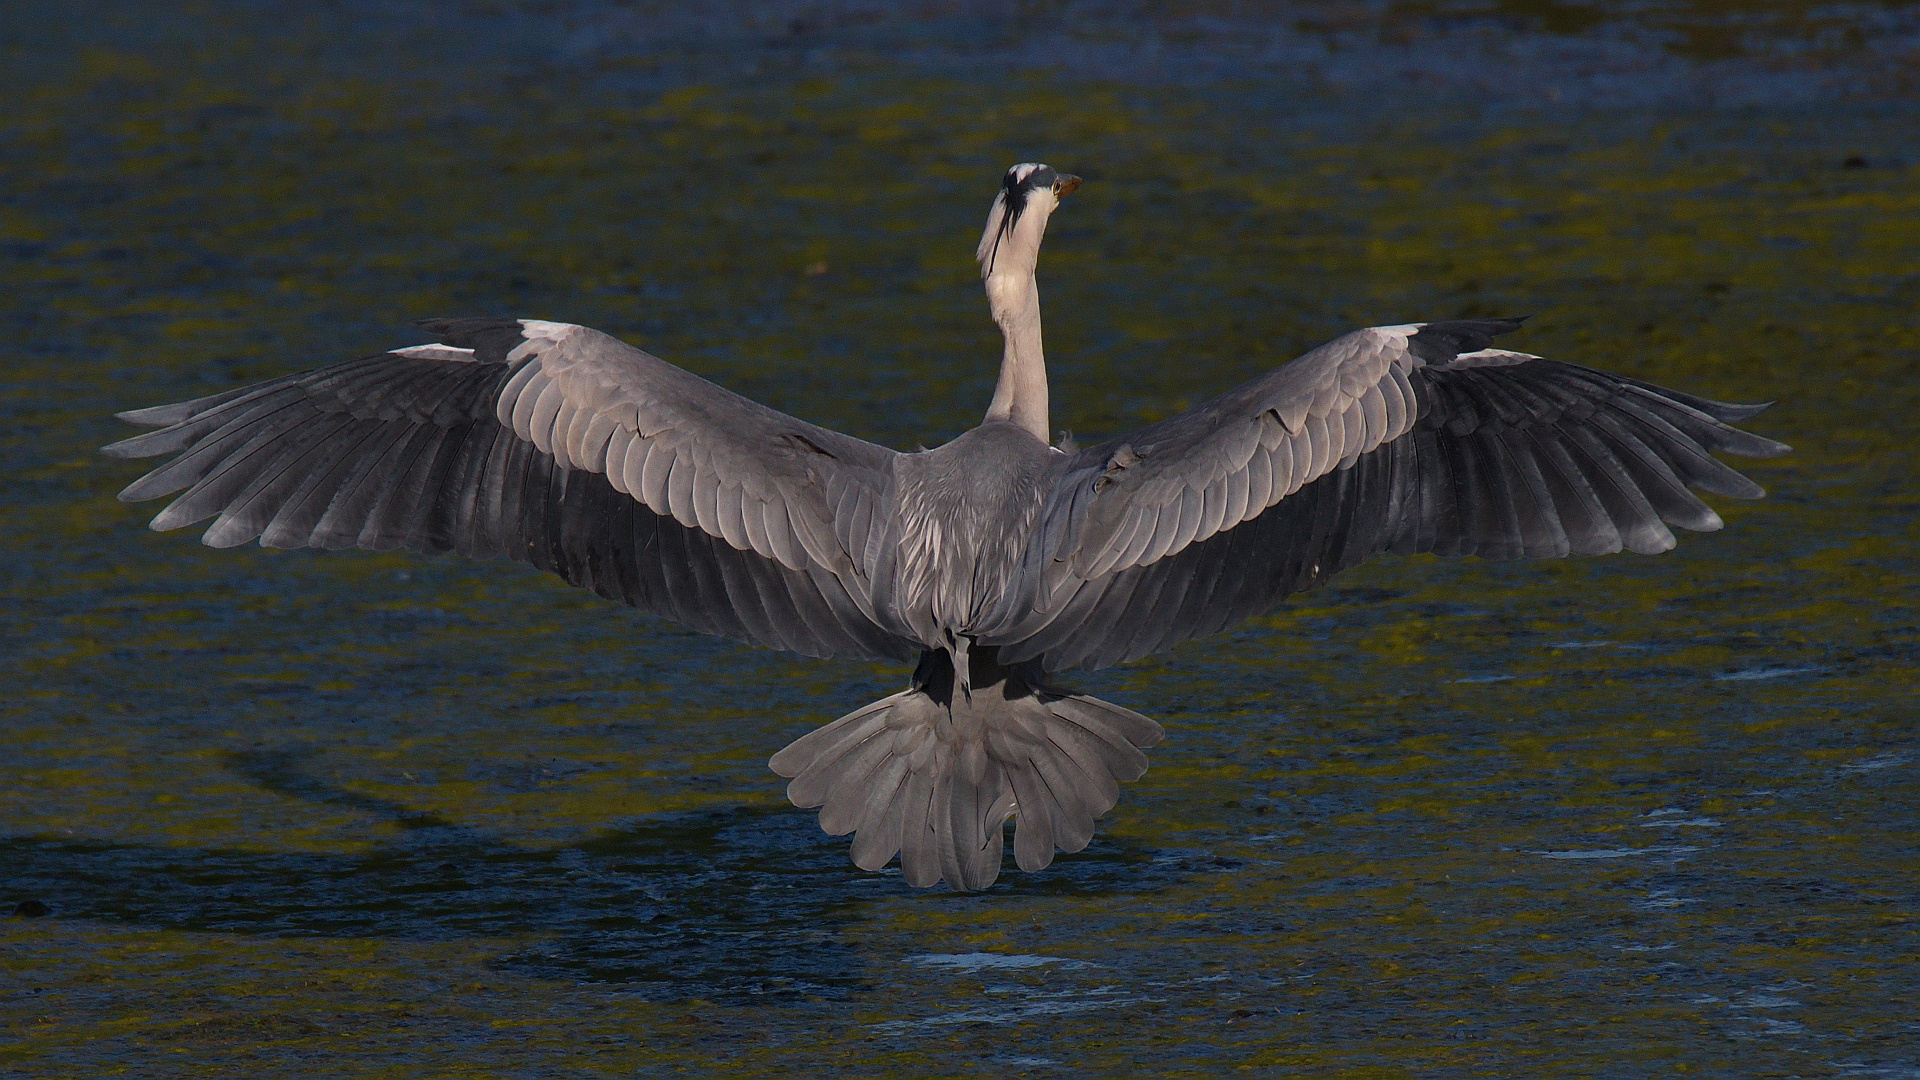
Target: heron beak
pixel 1065 186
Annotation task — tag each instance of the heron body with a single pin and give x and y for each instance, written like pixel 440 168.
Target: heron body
pixel 995 561
pixel 960 518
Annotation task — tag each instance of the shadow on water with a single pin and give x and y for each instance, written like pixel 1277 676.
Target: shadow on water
pixel 279 770
pixel 718 904
pixel 715 904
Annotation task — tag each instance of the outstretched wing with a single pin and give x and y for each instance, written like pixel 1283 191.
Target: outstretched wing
pixel 555 445
pixel 1415 438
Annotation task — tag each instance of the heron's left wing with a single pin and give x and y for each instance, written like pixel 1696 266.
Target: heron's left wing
pixel 1417 438
pixel 555 445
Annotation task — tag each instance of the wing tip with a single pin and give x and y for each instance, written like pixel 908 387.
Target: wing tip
pixel 151 416
pixel 1757 446
pixel 1734 411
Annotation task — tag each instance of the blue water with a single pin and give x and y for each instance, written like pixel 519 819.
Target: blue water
pixel 362 814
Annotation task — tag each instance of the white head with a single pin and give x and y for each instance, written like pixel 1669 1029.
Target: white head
pixel 1028 195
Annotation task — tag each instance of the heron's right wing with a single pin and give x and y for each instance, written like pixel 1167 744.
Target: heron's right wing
pixel 558 446
pixel 1416 438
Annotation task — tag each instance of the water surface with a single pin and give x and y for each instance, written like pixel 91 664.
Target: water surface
pixel 364 814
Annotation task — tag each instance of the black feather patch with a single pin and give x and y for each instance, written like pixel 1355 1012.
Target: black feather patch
pixel 1019 189
pixel 490 339
pixel 1016 190
pixel 1439 342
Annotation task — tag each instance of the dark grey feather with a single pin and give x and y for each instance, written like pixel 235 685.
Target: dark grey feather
pixel 394 451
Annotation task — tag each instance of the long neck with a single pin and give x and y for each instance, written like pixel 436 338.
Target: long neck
pixel 1021 395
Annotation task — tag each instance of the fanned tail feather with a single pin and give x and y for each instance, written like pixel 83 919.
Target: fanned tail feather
pixel 933 776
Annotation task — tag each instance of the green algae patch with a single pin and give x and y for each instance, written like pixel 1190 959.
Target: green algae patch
pixel 396 815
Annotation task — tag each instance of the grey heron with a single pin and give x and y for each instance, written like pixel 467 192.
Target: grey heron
pixel 995 561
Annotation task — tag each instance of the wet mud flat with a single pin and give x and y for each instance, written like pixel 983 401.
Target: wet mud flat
pixel 363 814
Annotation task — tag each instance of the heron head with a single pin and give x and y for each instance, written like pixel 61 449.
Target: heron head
pixel 1028 194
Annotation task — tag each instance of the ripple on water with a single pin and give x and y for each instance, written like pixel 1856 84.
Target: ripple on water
pixel 1752 674
pixel 1615 853
pixel 1665 819
pixel 986 961
pixel 1878 761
